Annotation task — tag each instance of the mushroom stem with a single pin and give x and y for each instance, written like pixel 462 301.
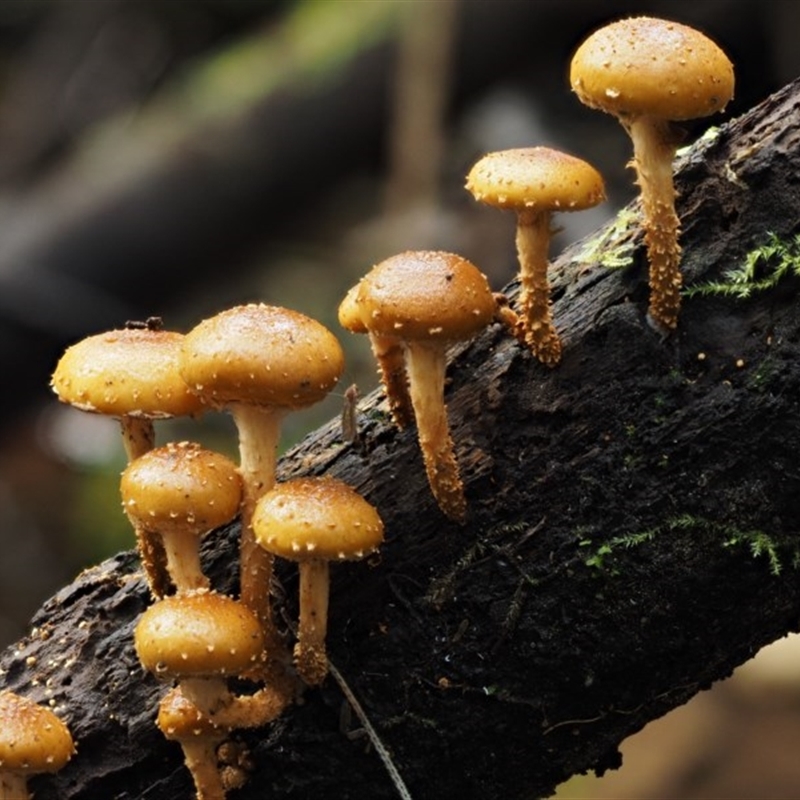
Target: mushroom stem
pixel 182 550
pixel 207 695
pixel 389 353
pixel 653 150
pixel 13 786
pixel 259 431
pixel 200 756
pixel 138 438
pixel 533 243
pixel 426 363
pixel 310 654
pixel 138 435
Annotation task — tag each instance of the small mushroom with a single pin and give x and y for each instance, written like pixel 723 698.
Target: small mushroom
pixel 200 639
pixel 426 300
pixel 32 740
pixel 131 374
pixel 389 354
pixel 535 182
pixel 648 73
pixel 260 362
pixel 180 492
pixel 314 521
pixel 199 737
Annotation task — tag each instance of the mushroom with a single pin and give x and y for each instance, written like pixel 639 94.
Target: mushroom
pixel 648 73
pixel 426 300
pixel 534 182
pixel 389 353
pixel 32 740
pixel 181 491
pixel 131 374
pixel 199 737
pixel 259 362
pixel 314 521
pixel 201 639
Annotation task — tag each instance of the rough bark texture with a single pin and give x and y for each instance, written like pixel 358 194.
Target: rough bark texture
pixel 610 565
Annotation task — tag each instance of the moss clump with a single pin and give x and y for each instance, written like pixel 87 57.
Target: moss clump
pixel 613 247
pixel 762 269
pixel 605 556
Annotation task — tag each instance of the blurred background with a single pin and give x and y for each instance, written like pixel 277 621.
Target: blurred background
pixel 176 158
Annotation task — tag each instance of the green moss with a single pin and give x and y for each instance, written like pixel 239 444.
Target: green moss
pixel 613 246
pixel 709 136
pixel 606 556
pixel 762 269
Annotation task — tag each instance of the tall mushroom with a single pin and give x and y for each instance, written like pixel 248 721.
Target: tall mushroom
pixel 132 374
pixel 180 492
pixel 32 740
pixel 426 300
pixel 259 362
pixel 535 182
pixel 314 521
pixel 648 73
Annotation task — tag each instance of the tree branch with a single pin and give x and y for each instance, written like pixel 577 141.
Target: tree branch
pixel 631 536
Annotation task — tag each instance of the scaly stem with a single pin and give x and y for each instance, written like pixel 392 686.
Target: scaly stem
pixel 138 438
pixel 533 243
pixel 389 353
pixel 200 755
pixel 259 430
pixel 425 363
pixel 653 150
pixel 310 653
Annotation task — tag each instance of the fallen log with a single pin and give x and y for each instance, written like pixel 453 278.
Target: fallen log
pixel 631 536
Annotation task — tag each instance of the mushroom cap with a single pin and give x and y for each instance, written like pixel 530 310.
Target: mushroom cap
pixel 655 67
pixel 32 738
pixel 316 518
pixel 131 372
pixel 423 295
pixel 202 634
pixel 350 312
pixel 179 719
pixel 261 355
pixel 181 487
pixel 536 178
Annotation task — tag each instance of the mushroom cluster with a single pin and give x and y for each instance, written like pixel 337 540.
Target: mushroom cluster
pixel 259 362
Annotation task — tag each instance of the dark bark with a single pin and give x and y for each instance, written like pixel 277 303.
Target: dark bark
pixel 610 566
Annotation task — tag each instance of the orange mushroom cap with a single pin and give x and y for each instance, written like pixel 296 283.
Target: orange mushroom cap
pixel 199 635
pixel 316 518
pixel 423 295
pixel 536 178
pixel 32 738
pixel 261 355
pixel 126 372
pixel 652 67
pixel 183 487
